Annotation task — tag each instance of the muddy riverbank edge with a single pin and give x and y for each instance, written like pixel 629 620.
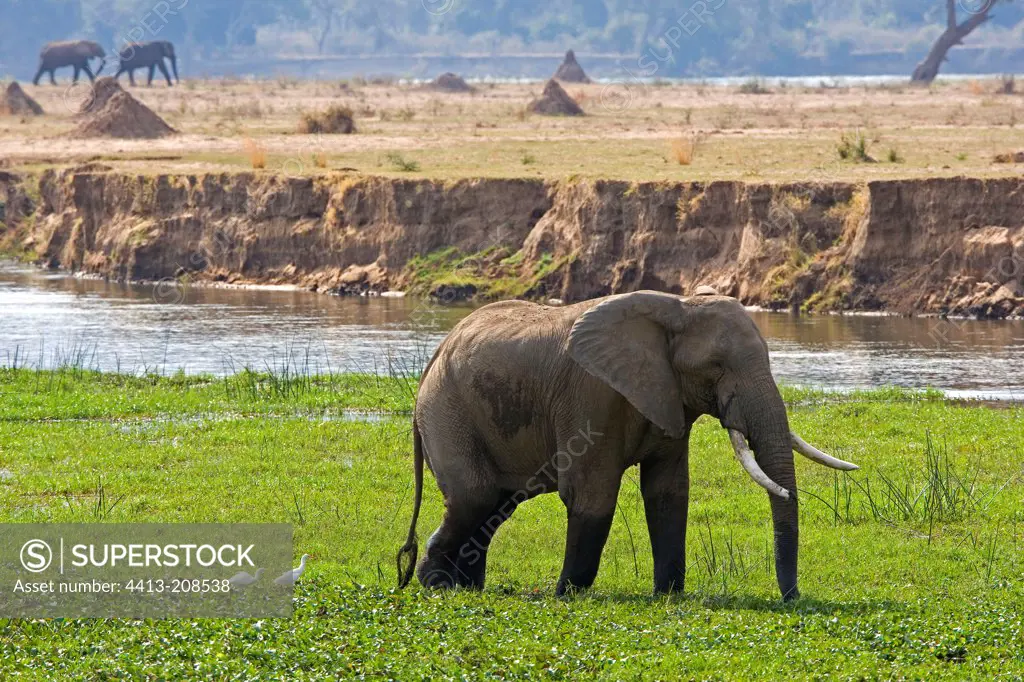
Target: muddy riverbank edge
pixel 934 246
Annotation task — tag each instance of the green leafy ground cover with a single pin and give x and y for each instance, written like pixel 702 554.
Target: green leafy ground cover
pixel 910 568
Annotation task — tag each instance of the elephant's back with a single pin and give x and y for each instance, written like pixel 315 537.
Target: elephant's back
pixel 57 45
pixel 509 332
pixel 502 355
pixel 522 317
pixel 514 330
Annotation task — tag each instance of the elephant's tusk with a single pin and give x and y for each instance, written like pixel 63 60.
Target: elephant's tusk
pixel 747 461
pixel 813 453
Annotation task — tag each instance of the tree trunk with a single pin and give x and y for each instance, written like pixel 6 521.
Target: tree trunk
pixel 954 35
pixel 325 30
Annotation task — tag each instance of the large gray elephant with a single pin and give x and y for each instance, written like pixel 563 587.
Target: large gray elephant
pixel 523 399
pixel 149 55
pixel 75 53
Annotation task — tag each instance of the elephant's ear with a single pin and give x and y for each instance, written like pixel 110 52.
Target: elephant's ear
pixel 624 342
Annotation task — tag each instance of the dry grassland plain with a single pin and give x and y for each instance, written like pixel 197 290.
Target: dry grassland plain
pixel 653 132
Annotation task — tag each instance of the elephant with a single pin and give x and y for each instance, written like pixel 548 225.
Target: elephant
pixel 149 55
pixel 522 399
pixel 73 53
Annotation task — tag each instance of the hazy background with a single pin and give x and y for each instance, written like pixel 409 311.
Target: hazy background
pixel 512 38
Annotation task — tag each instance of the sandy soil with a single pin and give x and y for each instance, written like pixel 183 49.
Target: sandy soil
pixel 786 134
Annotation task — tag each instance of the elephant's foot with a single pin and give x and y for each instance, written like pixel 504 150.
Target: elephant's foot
pixel 670 586
pixel 670 577
pixel 432 577
pixel 567 588
pixel 471 570
pixel 447 574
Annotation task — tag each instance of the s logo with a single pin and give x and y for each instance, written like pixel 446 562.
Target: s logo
pixel 36 556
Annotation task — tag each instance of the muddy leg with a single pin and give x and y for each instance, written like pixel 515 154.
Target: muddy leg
pixel 472 557
pixel 665 483
pixel 462 518
pixel 591 512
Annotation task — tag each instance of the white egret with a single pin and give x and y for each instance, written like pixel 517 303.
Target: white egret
pixel 289 577
pixel 243 579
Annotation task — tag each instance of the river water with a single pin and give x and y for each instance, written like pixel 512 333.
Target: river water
pixel 49 319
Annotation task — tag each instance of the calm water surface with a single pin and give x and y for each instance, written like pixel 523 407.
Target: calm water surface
pixel 49 319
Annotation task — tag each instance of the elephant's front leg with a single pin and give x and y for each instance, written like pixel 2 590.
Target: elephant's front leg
pixel 665 484
pixel 589 495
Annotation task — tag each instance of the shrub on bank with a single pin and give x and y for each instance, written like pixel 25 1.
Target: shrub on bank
pixel 334 120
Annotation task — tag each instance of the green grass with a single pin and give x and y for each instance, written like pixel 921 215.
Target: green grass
pixel 493 274
pixel 854 148
pixel 934 592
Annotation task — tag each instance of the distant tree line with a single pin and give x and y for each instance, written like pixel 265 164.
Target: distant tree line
pixel 692 37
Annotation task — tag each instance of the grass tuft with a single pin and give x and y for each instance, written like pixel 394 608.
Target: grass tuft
pixel 854 148
pixel 256 153
pixel 684 149
pixel 402 164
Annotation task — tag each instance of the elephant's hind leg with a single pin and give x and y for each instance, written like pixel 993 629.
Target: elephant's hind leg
pixel 472 558
pixel 464 514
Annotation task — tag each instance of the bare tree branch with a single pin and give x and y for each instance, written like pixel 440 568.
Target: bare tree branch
pixel 954 35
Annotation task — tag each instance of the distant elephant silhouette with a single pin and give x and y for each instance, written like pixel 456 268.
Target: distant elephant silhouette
pixel 149 55
pixel 76 53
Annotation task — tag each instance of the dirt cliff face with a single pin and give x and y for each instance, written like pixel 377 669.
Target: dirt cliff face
pixel 936 246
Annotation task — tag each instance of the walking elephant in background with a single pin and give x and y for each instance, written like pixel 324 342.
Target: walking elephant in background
pixel 149 55
pixel 522 399
pixel 72 53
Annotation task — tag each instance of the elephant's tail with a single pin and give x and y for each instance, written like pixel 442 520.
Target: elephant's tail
pixel 411 547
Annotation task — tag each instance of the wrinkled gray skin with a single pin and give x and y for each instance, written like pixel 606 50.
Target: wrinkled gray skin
pixel 75 53
pixel 605 384
pixel 150 56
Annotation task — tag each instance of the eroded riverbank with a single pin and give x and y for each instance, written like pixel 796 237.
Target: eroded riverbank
pixel 941 246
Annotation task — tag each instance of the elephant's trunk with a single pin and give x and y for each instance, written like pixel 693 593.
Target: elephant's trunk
pixel 768 433
pixel 174 67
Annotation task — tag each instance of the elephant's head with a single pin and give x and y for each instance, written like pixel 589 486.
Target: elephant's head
pixel 168 50
pixel 675 359
pixel 93 50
